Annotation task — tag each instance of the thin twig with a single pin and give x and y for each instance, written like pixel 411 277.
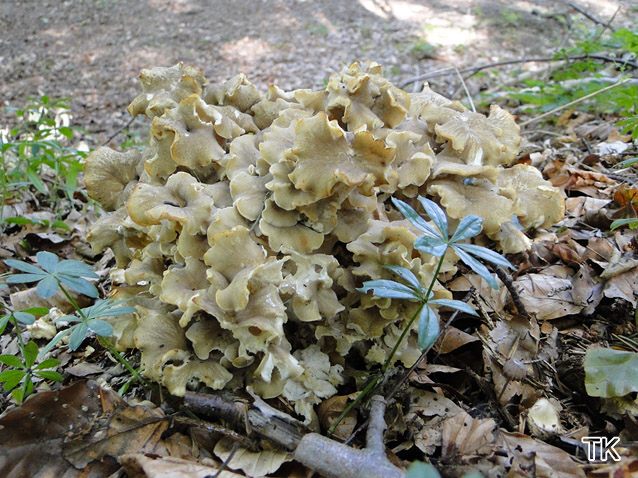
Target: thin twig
pixel 130 122
pixel 509 285
pixel 589 15
pixel 476 69
pixel 467 92
pixel 576 101
pixel 230 456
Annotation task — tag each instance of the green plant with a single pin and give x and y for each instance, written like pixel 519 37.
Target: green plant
pixel 610 373
pixel 436 241
pixel 18 379
pixel 603 60
pixel 51 276
pixel 423 49
pixel 632 222
pixel 422 470
pixel 37 155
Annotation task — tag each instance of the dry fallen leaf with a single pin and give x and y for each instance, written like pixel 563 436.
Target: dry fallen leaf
pixel 463 436
pixel 33 436
pixel 548 295
pixel 253 463
pixel 139 465
pixel 77 431
pixel 549 461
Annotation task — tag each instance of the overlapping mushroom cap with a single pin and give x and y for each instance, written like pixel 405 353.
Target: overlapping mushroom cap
pixel 249 221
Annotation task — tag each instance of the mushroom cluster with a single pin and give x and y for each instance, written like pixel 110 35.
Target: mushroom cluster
pixel 244 227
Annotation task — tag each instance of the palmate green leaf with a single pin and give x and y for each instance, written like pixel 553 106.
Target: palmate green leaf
pixel 34 179
pixel 24 317
pixel 54 341
pixel 470 226
pixel 436 214
pixel 75 269
pixel 107 308
pixel 23 266
pixel 30 353
pixel 78 335
pixel 79 285
pixel 429 328
pixel 431 245
pixel 47 287
pixel 25 278
pixel 406 275
pixel 632 222
pixel 37 311
pixel 454 304
pixel 610 373
pixel 412 216
pixel 11 378
pixel 19 394
pixel 389 290
pixel 4 320
pixel 50 375
pixel 11 361
pixel 476 266
pixel 47 363
pixel 486 254
pixel 422 470
pixel 100 327
pixel 69 319
pixel 47 260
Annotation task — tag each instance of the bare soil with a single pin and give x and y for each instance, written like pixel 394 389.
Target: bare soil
pixel 93 50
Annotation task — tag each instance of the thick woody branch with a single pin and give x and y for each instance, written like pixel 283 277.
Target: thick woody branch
pixel 327 457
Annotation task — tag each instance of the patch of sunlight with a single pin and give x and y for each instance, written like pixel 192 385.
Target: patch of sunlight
pixel 245 51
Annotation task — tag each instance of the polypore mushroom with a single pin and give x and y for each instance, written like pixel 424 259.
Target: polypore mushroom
pixel 248 222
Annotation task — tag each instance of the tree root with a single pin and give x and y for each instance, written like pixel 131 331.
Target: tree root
pixel 327 457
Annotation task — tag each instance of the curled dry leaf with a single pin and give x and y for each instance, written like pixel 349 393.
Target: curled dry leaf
pixel 139 465
pixel 253 463
pixel 549 461
pixel 77 431
pixel 463 436
pixel 549 294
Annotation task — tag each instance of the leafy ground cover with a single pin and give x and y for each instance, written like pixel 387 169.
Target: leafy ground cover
pixel 549 358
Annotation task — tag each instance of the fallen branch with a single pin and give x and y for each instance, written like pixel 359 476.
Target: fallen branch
pixel 475 69
pixel 327 457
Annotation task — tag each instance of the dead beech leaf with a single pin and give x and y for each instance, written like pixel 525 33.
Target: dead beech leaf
pixel 139 465
pixel 124 430
pixel 463 436
pixel 330 409
pixel 453 339
pixel 33 436
pixel 586 289
pixel 77 431
pixel 622 280
pixel 253 463
pixel 548 295
pixel 549 461
pixel 425 415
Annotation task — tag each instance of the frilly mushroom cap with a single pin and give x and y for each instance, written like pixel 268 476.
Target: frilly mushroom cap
pixel 479 140
pixel 108 174
pixel 247 224
pixel 163 88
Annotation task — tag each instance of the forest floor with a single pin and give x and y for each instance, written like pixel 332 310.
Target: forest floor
pixel 503 394
pixel 93 51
